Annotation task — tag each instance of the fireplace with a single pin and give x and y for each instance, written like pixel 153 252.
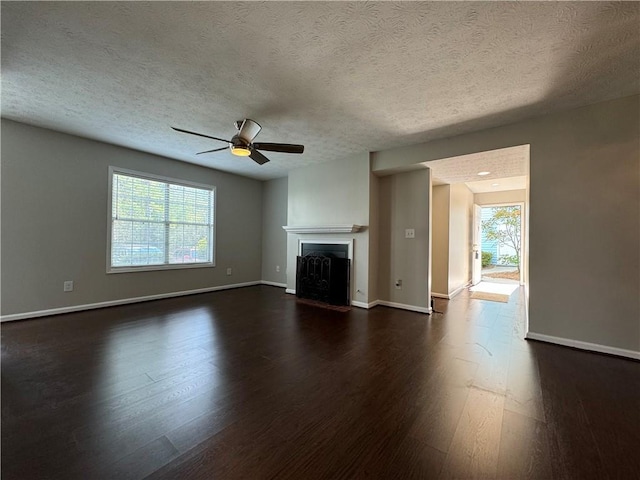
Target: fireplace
pixel 323 271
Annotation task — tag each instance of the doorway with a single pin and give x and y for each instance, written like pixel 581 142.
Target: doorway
pixel 498 243
pixel 474 182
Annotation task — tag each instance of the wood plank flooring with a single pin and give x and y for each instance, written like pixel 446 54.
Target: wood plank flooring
pixel 249 384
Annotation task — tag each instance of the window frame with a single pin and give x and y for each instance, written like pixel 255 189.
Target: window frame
pixel 175 181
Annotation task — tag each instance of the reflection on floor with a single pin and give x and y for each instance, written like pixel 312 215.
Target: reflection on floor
pixel 248 383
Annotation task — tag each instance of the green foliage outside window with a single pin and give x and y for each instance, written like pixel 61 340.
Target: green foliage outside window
pixel 504 227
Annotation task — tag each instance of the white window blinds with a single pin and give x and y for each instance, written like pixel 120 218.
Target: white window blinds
pixel 159 222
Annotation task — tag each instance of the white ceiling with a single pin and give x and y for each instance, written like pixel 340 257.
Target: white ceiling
pixel 339 77
pixel 506 163
pixel 498 184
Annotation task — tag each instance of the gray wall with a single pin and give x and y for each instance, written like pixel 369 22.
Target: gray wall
pixel 584 219
pixel 330 194
pixel 404 203
pixel 54 222
pixel 274 238
pixel 584 216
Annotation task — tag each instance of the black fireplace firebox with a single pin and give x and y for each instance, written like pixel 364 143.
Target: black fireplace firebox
pixel 323 276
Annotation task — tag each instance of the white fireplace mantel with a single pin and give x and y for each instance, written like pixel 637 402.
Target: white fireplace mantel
pixel 322 228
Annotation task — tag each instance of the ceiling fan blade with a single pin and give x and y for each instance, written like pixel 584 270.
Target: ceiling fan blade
pixel 214 150
pixel 200 134
pixel 257 157
pixel 279 147
pixel 248 130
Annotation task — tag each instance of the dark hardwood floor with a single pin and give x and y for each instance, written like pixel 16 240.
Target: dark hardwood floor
pixel 249 384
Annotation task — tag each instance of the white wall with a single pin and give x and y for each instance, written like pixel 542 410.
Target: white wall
pixel 451 258
pixel 330 194
pixel 460 237
pixel 54 223
pixel 440 239
pixel 405 203
pixel 274 238
pixel 506 196
pixel 584 216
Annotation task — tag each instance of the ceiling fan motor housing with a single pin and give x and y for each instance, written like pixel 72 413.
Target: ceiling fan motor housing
pixel 236 141
pixel 239 147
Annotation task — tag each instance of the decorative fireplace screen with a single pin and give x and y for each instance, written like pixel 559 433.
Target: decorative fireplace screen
pixel 323 277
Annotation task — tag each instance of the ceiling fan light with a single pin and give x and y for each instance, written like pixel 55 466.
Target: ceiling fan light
pixel 240 150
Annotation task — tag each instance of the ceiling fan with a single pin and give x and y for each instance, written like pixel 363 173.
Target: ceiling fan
pixel 241 144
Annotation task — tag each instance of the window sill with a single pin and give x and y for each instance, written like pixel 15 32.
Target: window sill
pixel 155 268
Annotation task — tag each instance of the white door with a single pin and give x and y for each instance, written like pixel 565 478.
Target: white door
pixel 476 268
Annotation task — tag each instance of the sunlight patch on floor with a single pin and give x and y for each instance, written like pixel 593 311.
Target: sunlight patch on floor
pixel 501 288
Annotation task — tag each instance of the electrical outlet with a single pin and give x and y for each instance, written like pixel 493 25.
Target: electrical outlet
pixel 228 271
pixel 68 286
pixel 399 284
pixel 410 233
pixel 278 268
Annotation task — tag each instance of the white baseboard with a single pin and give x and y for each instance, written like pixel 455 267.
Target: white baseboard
pixel 592 347
pixel 292 291
pixel 403 306
pixel 449 296
pixel 369 305
pixel 123 301
pixel 440 295
pixel 273 284
pixel 458 290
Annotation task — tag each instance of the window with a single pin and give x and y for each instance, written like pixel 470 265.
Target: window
pixel 158 223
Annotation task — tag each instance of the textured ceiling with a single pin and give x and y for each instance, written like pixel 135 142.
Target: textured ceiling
pixel 339 77
pixel 503 163
pixel 498 185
